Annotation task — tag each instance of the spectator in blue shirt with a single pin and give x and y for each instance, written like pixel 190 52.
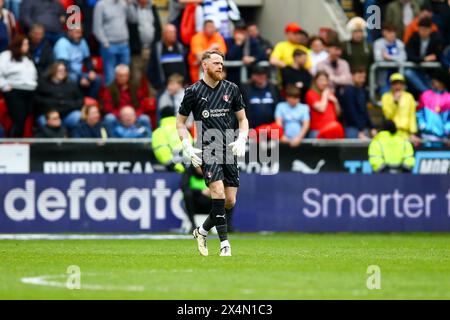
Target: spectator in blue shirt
pixel 353 102
pixel 74 51
pixel 130 127
pixel 294 117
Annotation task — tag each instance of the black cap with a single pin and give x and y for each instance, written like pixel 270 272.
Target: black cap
pixel 259 70
pixel 240 25
pixel 167 112
pixel 442 76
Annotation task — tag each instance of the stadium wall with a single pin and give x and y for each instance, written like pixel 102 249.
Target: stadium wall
pixel 286 202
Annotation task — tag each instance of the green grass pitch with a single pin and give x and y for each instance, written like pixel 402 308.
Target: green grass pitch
pixel 278 266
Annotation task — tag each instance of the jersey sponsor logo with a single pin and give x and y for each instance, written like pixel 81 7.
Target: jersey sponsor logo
pixel 205 114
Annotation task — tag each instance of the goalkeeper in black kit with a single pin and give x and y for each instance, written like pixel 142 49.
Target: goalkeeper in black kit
pixel 215 102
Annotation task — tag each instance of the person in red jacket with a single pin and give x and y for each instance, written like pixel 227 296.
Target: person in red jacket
pixel 324 109
pixel 121 93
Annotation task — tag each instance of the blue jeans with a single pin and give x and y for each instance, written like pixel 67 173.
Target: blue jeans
pixel 418 80
pixel 353 132
pixel 111 121
pixel 313 134
pixel 112 56
pixel 14 7
pixel 70 121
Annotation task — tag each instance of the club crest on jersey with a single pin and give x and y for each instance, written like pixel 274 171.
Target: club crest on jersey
pixel 226 98
pixel 205 114
pixel 209 175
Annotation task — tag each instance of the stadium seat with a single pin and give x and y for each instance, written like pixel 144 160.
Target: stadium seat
pixel 88 101
pixel 274 131
pixel 5 120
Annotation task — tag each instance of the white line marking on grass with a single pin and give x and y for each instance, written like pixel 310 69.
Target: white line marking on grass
pixel 26 237
pixel 47 281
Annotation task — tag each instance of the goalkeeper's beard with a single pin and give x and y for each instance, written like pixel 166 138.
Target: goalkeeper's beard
pixel 216 76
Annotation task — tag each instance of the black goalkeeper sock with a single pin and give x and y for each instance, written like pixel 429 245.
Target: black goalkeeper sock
pixel 218 217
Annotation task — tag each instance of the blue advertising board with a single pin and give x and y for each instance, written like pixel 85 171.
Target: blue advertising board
pixel 282 202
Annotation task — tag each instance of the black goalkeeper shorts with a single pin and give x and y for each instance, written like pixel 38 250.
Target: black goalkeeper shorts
pixel 228 173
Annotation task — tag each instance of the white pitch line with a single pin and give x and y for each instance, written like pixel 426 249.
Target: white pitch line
pixel 46 281
pixel 26 237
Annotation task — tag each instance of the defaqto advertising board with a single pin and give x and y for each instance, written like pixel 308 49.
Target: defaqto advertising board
pixel 284 202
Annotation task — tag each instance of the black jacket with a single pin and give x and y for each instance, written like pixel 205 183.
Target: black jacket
pixel 83 130
pixel 64 97
pixel 50 132
pixel 42 56
pixel 413 47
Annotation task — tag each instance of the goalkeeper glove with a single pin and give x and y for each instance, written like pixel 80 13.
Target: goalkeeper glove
pixel 238 147
pixel 192 153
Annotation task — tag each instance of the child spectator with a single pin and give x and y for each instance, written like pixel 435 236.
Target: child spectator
pixel 18 81
pixel 293 116
pixel 129 126
pixel 56 91
pixel 400 107
pixel 173 95
pixel 91 125
pixel 53 127
pixel 433 115
pixel 324 109
pixel 297 74
pixel 354 101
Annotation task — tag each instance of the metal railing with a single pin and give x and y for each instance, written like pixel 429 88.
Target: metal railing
pixel 244 69
pixel 400 66
pixel 312 142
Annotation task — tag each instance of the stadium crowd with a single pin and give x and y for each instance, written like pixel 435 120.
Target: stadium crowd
pixel 122 71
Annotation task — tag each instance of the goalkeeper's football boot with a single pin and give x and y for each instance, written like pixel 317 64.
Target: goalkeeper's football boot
pixel 201 241
pixel 225 251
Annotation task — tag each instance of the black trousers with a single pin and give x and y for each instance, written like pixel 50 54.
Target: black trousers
pixel 20 105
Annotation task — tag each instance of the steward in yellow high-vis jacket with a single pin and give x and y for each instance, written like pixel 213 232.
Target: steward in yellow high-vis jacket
pixel 166 144
pixel 390 152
